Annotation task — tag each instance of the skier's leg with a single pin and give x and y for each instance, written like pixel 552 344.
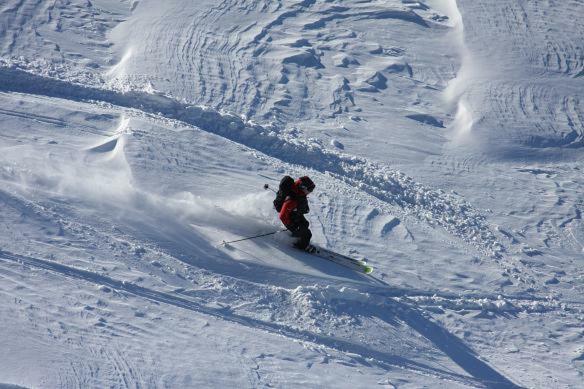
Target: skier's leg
pixel 304 241
pixel 304 234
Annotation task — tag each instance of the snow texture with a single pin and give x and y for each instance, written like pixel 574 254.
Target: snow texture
pixel 445 140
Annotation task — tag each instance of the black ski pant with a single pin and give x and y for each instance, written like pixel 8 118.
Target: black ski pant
pixel 301 231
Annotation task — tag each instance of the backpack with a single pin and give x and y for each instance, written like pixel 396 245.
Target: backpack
pixel 284 190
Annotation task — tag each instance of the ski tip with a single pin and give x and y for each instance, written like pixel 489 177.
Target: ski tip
pixel 367 269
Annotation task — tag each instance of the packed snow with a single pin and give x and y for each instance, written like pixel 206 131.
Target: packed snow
pixel 445 139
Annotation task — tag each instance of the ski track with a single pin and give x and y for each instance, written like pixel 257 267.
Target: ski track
pixel 431 301
pixel 513 266
pixel 432 206
pixel 498 302
pixel 482 374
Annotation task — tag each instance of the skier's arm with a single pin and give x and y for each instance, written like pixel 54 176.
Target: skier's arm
pixel 302 205
pixel 286 211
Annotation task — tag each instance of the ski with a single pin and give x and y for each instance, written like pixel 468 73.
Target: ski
pixel 343 260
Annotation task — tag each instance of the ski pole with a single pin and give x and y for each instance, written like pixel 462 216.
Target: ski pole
pixel 253 237
pixel 266 187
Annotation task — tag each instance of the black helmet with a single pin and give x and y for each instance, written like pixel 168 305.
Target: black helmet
pixel 305 183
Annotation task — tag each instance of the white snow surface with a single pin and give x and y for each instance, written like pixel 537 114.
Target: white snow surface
pixel 445 138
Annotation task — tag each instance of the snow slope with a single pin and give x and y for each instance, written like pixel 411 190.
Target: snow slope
pixel 445 141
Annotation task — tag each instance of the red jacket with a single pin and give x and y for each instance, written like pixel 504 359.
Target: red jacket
pixel 295 203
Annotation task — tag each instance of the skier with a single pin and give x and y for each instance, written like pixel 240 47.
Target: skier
pixel 292 205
